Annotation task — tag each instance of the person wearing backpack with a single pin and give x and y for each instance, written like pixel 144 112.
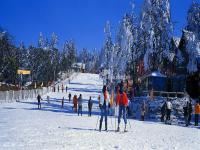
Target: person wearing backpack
pixel 122 102
pixel 104 101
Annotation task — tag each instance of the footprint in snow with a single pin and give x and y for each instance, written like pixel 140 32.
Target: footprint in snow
pixel 116 147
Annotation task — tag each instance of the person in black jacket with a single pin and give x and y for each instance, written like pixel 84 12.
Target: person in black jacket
pixel 39 101
pixel 163 112
pixel 70 95
pixel 90 103
pixel 189 111
pixel 185 113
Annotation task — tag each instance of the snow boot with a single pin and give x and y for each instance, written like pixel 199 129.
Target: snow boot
pixel 125 130
pixel 100 127
pixel 118 129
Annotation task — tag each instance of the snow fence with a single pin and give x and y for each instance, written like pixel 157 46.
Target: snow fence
pixel 22 95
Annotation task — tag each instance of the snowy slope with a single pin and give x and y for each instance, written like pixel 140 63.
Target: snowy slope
pixel 23 126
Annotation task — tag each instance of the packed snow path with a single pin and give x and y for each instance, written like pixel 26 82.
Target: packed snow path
pixel 23 126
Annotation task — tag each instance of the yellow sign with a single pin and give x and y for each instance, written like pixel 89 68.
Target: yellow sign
pixel 23 72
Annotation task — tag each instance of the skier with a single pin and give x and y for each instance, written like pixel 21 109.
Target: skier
pixel 66 88
pixel 80 101
pixel 104 100
pixel 197 112
pixel 48 99
pixel 70 95
pixel 169 108
pixel 62 88
pixel 62 102
pixel 58 88
pixel 163 112
pixel 75 103
pixel 122 101
pixel 90 103
pixel 39 101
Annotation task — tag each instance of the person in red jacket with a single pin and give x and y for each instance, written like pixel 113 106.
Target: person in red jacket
pixel 122 101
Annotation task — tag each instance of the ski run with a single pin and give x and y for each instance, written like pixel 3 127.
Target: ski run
pixel 23 126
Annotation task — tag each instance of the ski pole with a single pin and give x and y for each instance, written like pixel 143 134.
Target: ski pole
pixel 97 122
pixel 129 123
pixel 115 117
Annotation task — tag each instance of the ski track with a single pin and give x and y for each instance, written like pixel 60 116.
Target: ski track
pixel 23 126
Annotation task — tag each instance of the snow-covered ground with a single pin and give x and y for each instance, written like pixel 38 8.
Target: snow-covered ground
pixel 23 126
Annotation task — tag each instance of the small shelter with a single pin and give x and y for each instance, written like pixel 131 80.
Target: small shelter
pixel 155 80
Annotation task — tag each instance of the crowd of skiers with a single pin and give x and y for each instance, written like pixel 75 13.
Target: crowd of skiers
pixel 62 88
pixel 118 99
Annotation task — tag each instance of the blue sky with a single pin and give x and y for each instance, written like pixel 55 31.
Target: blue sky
pixel 80 20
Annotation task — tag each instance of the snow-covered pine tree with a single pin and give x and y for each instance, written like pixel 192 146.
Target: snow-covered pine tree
pixel 156 29
pixel 193 37
pixel 22 56
pixel 124 44
pixel 69 55
pixel 108 51
pixel 41 41
pixel 193 19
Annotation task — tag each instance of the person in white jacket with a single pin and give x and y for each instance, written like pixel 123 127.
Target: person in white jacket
pixel 169 109
pixel 104 101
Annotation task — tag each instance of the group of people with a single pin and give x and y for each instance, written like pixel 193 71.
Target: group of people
pixel 187 109
pixel 78 105
pixel 166 110
pixel 59 88
pixel 121 103
pixel 121 100
pixel 187 112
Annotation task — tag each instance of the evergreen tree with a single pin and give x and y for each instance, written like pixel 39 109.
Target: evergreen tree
pixel 157 32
